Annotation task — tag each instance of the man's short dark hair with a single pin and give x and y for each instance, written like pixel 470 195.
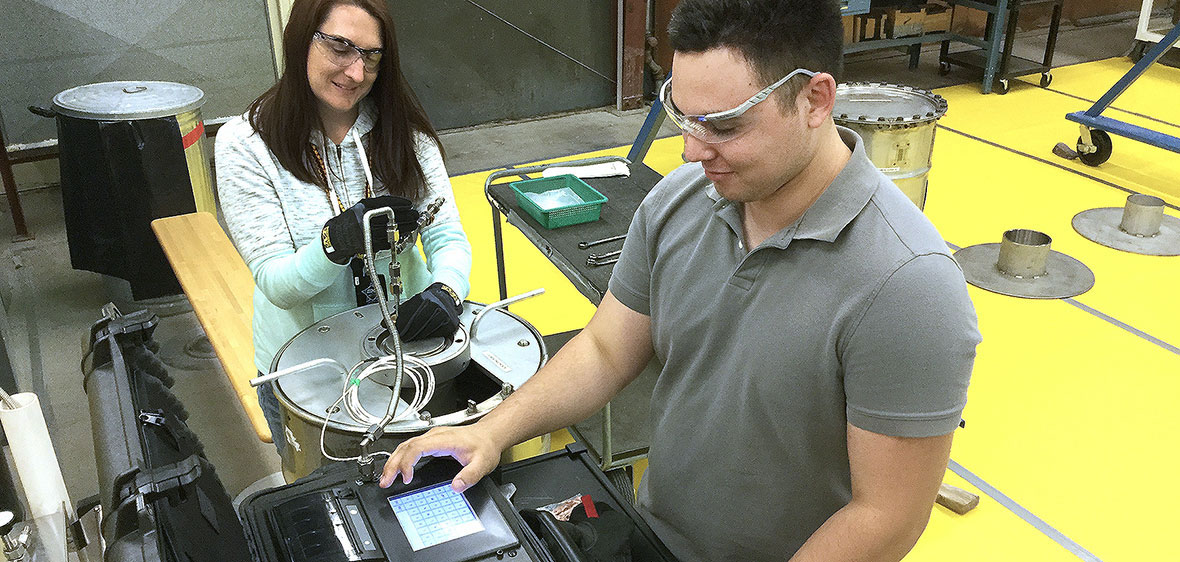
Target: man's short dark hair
pixel 774 36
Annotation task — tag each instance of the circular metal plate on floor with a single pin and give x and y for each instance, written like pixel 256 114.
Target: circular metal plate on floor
pixel 1102 226
pixel 1066 277
pixel 189 351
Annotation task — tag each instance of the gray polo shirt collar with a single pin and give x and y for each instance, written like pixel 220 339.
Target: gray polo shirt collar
pixel 841 202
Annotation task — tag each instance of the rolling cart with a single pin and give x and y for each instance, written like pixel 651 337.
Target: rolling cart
pixel 997 71
pixel 1094 145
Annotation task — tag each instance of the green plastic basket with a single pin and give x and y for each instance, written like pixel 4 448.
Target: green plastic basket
pixel 587 211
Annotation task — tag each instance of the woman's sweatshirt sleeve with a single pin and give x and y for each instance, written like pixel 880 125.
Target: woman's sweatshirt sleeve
pixel 444 243
pixel 286 276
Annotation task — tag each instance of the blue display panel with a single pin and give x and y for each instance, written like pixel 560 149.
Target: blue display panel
pixel 434 515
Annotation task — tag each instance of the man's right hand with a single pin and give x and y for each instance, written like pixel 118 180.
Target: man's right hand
pixel 470 445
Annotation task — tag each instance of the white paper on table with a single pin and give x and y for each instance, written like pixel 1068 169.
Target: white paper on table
pixel 603 170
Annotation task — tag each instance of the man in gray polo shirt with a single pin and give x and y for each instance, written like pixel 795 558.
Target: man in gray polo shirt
pixel 816 336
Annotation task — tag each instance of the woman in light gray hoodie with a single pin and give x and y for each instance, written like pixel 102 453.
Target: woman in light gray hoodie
pixel 341 133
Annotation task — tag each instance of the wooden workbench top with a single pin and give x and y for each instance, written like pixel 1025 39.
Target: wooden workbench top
pixel 221 291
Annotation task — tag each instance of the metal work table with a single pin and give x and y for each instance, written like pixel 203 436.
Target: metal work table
pixel 561 245
pixel 619 434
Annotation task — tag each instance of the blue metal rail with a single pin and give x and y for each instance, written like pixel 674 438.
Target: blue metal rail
pixel 1093 118
pixel 647 133
pixel 1124 129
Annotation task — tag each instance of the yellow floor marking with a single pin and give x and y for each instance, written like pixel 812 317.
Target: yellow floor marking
pixel 1032 120
pixel 987 533
pixel 978 191
pixel 665 155
pixel 1072 418
pixel 1154 94
pixel 1066 418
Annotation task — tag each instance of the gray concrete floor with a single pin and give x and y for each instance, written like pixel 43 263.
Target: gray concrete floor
pixel 48 307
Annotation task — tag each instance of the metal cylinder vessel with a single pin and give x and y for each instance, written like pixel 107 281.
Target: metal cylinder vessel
pixel 473 375
pixel 141 100
pixel 897 124
pixel 1024 253
pixel 130 153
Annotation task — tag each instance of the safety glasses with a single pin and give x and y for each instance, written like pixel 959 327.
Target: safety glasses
pixel 723 125
pixel 342 52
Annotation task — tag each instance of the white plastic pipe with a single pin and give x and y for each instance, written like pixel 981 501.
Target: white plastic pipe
pixel 40 474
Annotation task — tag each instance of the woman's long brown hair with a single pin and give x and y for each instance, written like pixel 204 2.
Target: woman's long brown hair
pixel 287 113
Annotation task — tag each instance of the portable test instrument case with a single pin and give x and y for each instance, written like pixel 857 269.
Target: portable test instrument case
pixel 328 516
pixel 163 502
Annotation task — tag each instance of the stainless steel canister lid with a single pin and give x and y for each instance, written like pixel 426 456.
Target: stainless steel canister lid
pixel 871 103
pixel 128 100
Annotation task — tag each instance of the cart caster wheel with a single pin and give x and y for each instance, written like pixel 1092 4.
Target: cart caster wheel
pixel 1103 148
pixel 1046 79
pixel 1002 86
pixel 944 68
pixel 621 479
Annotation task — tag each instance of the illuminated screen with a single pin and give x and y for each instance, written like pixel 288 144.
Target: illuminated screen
pixel 434 515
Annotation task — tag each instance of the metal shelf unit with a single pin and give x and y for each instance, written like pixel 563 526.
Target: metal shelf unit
pixel 913 44
pixel 994 58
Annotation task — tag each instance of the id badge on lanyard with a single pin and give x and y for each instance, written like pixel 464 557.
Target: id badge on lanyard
pixel 366 293
pixel 362 284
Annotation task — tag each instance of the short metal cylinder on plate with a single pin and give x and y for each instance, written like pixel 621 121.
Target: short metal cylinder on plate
pixel 1024 253
pixel 1143 215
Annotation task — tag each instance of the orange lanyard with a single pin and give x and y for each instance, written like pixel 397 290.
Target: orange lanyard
pixel 329 190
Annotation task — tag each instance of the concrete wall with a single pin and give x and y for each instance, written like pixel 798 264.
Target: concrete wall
pixel 475 62
pixel 47 46
pixel 469 67
pixel 1075 10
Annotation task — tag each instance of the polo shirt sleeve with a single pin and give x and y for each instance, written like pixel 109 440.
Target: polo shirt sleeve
pixel 908 361
pixel 630 282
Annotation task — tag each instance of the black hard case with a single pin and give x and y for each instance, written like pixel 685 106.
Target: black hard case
pixel 539 481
